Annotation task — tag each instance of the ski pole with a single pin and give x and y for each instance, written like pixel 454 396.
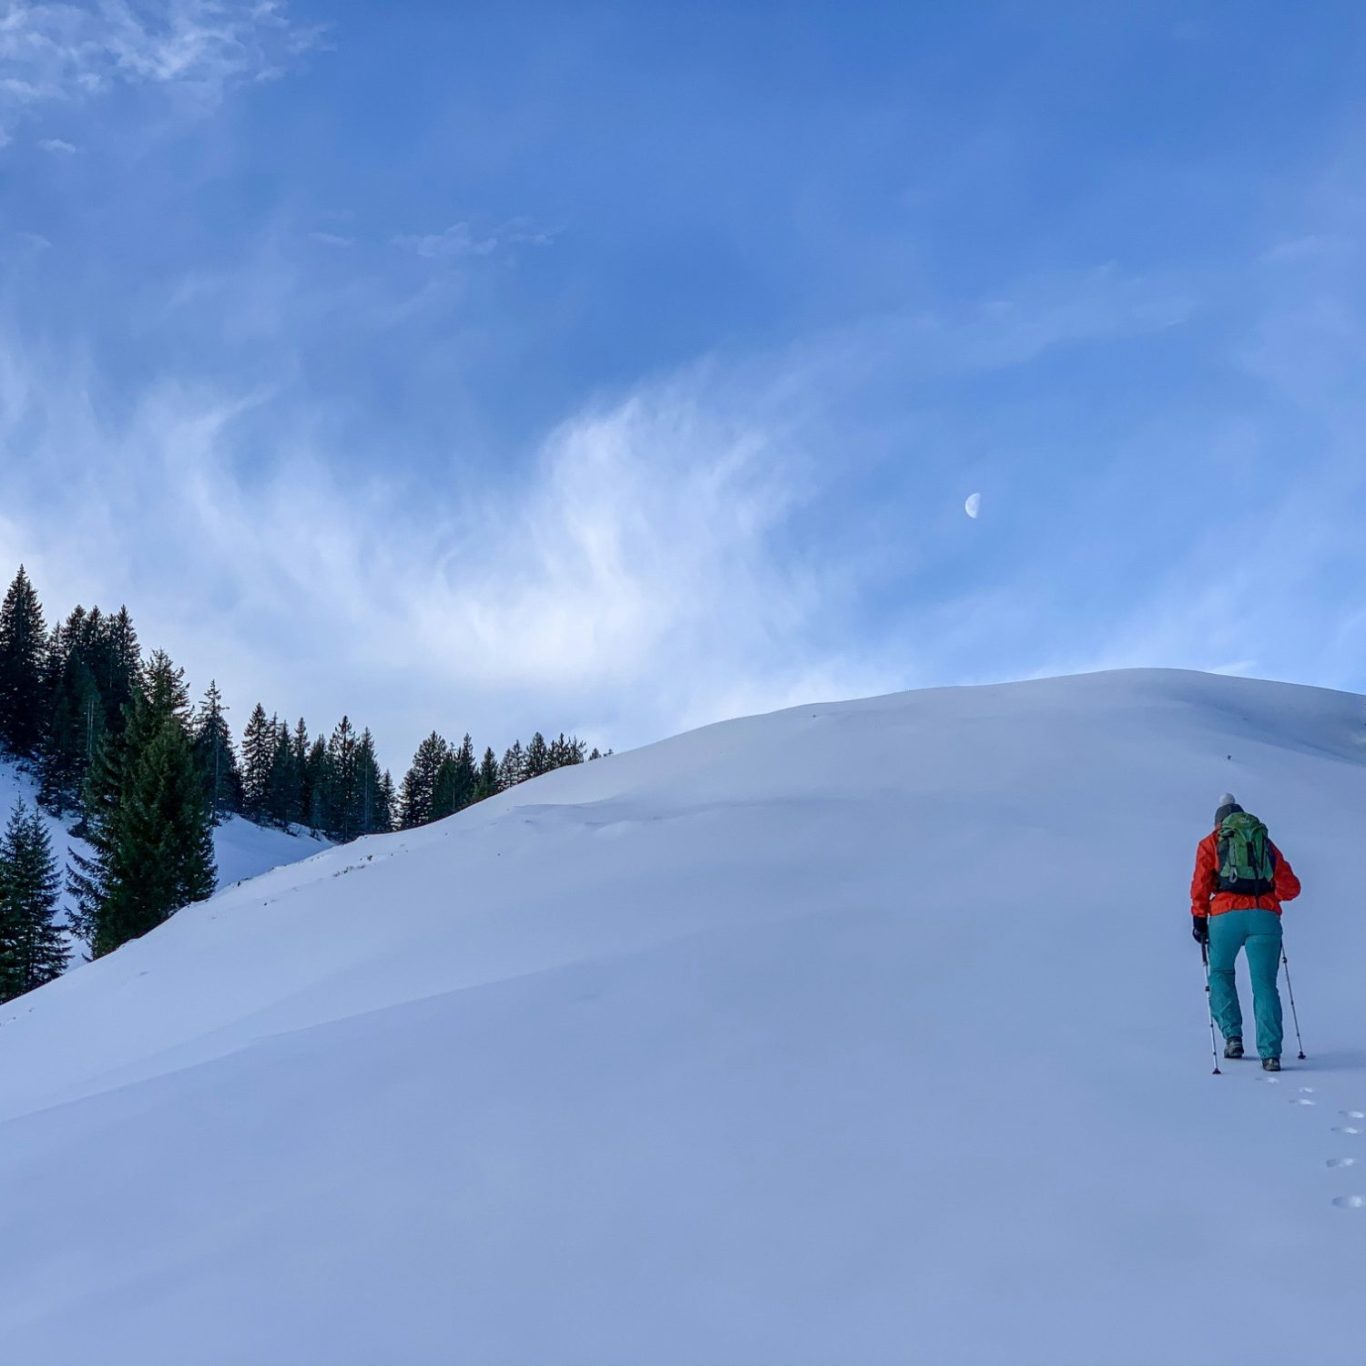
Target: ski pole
pixel 1294 1014
pixel 1209 1002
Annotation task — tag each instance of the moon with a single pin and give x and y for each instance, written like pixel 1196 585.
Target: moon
pixel 974 505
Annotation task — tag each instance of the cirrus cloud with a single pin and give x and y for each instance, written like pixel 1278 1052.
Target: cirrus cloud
pixel 54 53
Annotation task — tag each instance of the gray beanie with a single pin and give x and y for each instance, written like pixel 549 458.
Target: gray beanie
pixel 1228 805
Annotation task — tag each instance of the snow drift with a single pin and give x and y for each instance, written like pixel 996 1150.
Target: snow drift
pixel 855 1033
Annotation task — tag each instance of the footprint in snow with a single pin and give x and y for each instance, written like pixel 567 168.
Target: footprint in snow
pixel 1346 1129
pixel 1351 1202
pixel 1302 1100
pixel 1353 1114
pixel 1341 1162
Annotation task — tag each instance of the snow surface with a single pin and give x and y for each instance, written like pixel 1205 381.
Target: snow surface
pixel 861 1033
pixel 242 850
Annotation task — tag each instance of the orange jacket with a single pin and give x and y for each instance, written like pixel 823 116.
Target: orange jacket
pixel 1207 899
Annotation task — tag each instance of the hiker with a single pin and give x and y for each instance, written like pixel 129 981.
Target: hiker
pixel 1240 880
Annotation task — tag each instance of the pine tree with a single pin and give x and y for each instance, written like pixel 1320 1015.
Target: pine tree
pixel 513 768
pixel 316 784
pixel 77 717
pixel 387 801
pixel 456 781
pixel 109 648
pixel 93 879
pixel 596 754
pixel 150 827
pixel 121 657
pixel 487 783
pixel 566 751
pixel 92 641
pixel 298 749
pixel 258 757
pixel 443 790
pixel 217 757
pixel 466 774
pixel 419 784
pixel 284 786
pixel 371 817
pixel 340 787
pixel 32 948
pixel 23 642
pixel 537 756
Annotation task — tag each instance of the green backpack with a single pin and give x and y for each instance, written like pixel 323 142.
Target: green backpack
pixel 1247 866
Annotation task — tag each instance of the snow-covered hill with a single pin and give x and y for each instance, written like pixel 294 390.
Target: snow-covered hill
pixel 856 1033
pixel 242 850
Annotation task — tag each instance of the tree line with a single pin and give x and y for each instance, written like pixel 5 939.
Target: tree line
pixel 116 745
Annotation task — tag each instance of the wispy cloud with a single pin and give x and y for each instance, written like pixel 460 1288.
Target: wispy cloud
pixel 640 573
pixel 630 577
pixel 643 570
pixel 64 53
pixel 457 240
pixel 331 239
pixel 58 146
pixel 461 240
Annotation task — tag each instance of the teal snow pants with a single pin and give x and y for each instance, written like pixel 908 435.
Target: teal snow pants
pixel 1260 933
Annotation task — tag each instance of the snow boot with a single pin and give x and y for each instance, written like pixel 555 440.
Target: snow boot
pixel 1271 1064
pixel 1233 1048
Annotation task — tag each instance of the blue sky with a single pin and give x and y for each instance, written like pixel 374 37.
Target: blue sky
pixel 620 367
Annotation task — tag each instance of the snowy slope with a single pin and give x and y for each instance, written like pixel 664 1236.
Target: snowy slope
pixel 856 1033
pixel 242 850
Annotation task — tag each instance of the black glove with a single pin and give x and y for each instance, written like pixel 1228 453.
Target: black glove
pixel 1200 929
